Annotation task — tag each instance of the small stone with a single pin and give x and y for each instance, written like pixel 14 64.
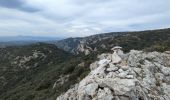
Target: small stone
pixel 117 72
pixel 103 62
pixel 120 70
pixel 122 75
pixel 115 57
pixel 111 65
pixel 129 76
pixel 137 70
pixel 112 69
pixel 166 71
pixel 110 75
pixel 166 88
pixel 159 76
pixel 125 68
pixel 124 98
pixel 108 97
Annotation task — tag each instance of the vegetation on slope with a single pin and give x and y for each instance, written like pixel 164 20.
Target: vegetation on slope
pixel 30 82
pixel 156 40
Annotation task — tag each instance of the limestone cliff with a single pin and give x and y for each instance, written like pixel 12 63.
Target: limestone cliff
pixel 139 76
pixel 151 40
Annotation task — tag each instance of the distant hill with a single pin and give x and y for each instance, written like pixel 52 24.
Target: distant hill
pixel 27 38
pixel 150 40
pixel 24 40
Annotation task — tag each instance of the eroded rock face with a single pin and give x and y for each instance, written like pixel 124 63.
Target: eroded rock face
pixel 145 76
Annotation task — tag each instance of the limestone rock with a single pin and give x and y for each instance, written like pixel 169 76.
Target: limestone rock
pixel 125 68
pixel 91 89
pixel 103 62
pixel 112 69
pixel 145 77
pixel 104 94
pixel 94 65
pixel 129 76
pixel 166 71
pixel 115 58
pixel 122 74
pixel 120 86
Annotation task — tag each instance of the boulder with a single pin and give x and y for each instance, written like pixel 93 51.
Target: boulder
pixel 120 86
pixel 116 58
pixel 91 89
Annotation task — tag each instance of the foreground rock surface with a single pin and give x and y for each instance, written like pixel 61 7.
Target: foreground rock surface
pixel 139 76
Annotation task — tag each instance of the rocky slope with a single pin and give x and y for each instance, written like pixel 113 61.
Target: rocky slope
pixel 139 76
pixel 158 40
pixel 37 71
pixel 83 45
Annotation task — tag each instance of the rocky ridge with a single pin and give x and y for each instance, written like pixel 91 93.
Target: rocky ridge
pixel 149 40
pixel 83 45
pixel 139 76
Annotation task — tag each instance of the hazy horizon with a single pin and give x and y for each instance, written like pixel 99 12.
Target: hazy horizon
pixel 64 37
pixel 29 38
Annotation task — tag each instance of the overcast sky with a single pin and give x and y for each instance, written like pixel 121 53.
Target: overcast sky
pixel 72 18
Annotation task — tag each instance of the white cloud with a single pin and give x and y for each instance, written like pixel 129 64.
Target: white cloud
pixel 23 23
pixel 82 17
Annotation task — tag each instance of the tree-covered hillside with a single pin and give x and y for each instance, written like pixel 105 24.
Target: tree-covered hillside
pixel 29 72
pixel 155 40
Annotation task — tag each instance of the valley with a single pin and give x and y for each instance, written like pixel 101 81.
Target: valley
pixel 43 71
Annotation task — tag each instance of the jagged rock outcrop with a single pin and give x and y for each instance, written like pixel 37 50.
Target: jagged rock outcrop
pixel 139 76
pixel 151 40
pixel 84 45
